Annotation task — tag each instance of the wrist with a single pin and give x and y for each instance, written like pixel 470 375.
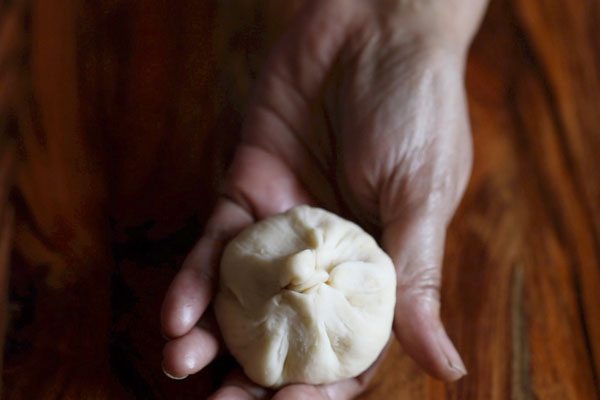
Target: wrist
pixel 447 25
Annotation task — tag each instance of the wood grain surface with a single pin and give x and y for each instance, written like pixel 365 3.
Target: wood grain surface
pixel 121 116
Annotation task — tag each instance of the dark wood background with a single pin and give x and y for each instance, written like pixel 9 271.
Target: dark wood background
pixel 116 121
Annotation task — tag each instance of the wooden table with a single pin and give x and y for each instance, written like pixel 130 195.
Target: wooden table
pixel 521 293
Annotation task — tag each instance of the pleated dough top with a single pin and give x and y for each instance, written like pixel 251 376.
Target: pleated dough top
pixel 305 297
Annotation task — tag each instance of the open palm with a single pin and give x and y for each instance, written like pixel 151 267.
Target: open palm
pixel 364 120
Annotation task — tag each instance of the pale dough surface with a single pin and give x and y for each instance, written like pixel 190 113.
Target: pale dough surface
pixel 305 296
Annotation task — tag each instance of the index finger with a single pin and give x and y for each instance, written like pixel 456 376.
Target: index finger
pixel 193 288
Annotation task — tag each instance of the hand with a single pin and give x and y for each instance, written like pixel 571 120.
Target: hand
pixel 360 110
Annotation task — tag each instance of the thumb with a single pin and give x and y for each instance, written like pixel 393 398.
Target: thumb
pixel 416 246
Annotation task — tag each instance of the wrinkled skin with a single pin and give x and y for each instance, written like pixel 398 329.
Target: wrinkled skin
pixel 364 116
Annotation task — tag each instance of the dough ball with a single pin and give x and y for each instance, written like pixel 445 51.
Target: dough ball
pixel 305 297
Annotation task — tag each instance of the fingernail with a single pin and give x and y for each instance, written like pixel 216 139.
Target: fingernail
pixel 176 378
pixel 453 359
